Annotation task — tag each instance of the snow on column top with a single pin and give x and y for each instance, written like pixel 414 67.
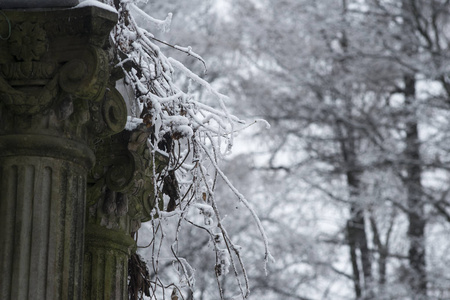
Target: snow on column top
pixel 97 4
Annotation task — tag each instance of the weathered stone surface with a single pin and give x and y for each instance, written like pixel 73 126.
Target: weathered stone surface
pixel 55 100
pixel 51 56
pixel 59 118
pixel 41 228
pixel 120 186
pixel 37 3
pixel 106 263
pixel 120 196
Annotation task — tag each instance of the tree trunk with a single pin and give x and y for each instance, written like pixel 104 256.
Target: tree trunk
pixel 356 229
pixel 357 239
pixel 354 259
pixel 416 229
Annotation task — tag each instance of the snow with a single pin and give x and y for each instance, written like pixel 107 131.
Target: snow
pixel 84 3
pixel 188 51
pixel 162 25
pixel 224 262
pixel 205 209
pixel 132 123
pixel 184 131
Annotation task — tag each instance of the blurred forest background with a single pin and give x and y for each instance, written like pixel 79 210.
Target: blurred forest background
pixel 352 180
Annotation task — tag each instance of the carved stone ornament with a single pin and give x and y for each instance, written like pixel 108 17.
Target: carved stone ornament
pixel 120 196
pixel 28 41
pixel 48 58
pixel 83 77
pixel 121 191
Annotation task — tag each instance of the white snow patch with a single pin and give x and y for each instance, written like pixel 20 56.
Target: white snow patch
pixel 132 123
pixel 162 25
pixel 84 3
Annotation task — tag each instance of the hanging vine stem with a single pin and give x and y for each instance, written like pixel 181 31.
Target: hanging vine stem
pixel 229 244
pixel 187 50
pixel 268 256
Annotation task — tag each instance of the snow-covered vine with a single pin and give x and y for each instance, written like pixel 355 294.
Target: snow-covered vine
pixel 191 134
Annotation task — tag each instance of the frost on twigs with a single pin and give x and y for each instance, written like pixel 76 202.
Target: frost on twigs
pixel 194 133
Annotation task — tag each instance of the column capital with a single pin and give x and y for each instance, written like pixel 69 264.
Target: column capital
pixel 121 191
pixel 55 74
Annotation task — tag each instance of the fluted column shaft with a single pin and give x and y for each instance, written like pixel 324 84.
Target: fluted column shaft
pixel 106 263
pixel 42 204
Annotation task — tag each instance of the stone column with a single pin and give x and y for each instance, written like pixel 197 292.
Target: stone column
pixel 120 197
pixel 55 101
